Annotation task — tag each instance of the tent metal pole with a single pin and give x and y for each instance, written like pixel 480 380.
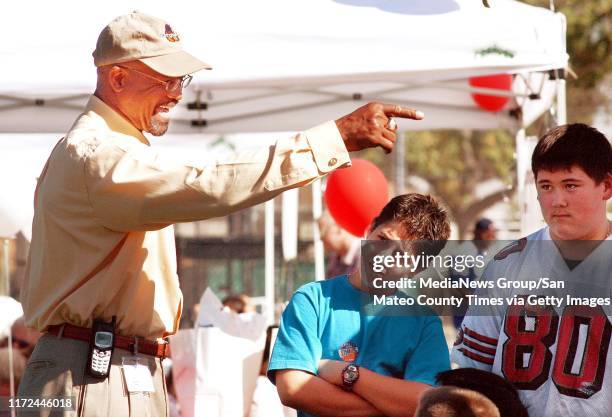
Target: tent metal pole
pixel 11 370
pixel 480 90
pixel 6 283
pixel 6 287
pixel 317 211
pixel 561 108
pixel 521 167
pixel 269 261
pixel 365 98
pixel 340 97
pixel 561 91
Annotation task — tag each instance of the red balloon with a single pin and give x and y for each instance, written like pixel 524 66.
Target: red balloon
pixel 499 82
pixel 355 195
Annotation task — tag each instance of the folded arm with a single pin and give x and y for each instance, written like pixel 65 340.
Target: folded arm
pixel 392 396
pixel 312 394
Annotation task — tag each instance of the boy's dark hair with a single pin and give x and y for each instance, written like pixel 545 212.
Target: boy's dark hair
pixel 421 217
pixel 455 402
pixel 574 144
pixel 501 392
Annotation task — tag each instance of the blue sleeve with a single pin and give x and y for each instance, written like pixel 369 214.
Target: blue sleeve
pixel 431 354
pixel 297 343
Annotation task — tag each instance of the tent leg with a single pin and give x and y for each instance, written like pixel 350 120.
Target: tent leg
pixel 561 107
pixel 5 284
pixel 317 211
pixel 521 173
pixel 6 289
pixel 269 262
pixel 400 163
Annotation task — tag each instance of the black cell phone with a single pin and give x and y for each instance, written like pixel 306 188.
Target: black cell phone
pixel 101 348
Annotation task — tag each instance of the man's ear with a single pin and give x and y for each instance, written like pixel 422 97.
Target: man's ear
pixel 607 183
pixel 117 78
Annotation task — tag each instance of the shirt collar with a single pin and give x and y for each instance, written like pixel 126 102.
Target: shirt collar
pixel 114 120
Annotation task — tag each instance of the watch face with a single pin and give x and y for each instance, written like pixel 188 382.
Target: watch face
pixel 350 375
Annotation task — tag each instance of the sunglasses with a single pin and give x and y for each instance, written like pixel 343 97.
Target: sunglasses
pixel 175 84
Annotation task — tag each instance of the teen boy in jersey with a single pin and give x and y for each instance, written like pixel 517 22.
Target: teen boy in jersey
pixel 559 358
pixel 372 364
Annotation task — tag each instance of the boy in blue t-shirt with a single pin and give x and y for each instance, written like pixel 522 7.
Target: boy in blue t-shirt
pixel 332 359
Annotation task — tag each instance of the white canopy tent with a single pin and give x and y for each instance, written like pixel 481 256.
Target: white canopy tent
pixel 287 65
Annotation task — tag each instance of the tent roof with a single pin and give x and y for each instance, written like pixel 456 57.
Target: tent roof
pixel 287 65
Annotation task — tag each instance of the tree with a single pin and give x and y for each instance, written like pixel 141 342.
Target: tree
pixel 454 163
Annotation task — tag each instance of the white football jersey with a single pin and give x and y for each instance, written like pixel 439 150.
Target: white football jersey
pixel 559 358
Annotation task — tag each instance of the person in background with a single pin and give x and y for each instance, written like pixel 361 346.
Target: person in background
pixel 265 398
pixel 485 234
pixel 342 248
pixel 24 338
pixel 240 303
pixel 19 362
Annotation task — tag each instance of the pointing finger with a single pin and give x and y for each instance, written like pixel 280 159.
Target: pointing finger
pixel 394 110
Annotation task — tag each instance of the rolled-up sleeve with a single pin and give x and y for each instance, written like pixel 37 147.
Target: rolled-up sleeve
pixel 136 187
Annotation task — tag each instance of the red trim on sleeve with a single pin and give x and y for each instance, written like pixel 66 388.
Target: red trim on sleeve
pixel 478 347
pixel 476 357
pixel 480 337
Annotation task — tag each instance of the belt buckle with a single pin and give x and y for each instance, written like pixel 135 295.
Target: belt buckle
pixel 60 332
pixel 135 348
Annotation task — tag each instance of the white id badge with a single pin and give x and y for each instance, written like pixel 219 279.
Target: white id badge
pixel 137 375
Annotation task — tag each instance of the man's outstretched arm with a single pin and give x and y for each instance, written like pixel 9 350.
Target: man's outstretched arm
pixel 309 393
pixel 132 186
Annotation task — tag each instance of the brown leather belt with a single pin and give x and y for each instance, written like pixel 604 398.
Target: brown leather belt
pixel 133 344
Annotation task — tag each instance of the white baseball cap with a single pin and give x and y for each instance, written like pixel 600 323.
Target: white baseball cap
pixel 152 41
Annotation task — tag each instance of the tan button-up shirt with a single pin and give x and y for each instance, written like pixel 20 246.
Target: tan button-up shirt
pixel 102 237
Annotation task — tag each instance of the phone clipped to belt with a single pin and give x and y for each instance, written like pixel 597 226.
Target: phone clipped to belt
pixel 101 348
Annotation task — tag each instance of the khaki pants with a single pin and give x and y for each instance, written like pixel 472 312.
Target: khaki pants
pixel 57 369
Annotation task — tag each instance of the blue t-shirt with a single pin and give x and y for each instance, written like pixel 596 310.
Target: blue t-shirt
pixel 324 321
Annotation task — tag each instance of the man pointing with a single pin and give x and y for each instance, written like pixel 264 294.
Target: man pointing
pixel 101 277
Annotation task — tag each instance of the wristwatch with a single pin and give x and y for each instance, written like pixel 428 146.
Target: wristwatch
pixel 350 375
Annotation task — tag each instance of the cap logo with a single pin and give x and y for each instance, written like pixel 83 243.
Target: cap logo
pixel 170 35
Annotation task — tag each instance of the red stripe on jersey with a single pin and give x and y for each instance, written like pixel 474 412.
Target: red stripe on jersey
pixel 477 357
pixel 479 347
pixel 480 337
